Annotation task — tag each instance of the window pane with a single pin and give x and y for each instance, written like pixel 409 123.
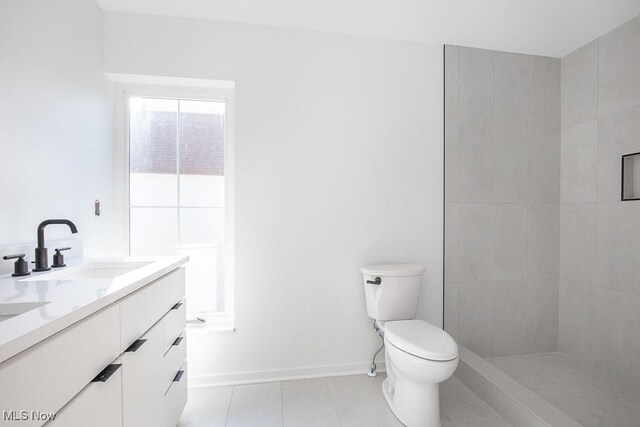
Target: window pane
pixel 202 138
pixel 201 226
pixel 202 190
pixel 153 151
pixel 153 189
pixel 153 229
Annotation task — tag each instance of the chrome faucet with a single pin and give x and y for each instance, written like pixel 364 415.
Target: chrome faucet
pixel 42 256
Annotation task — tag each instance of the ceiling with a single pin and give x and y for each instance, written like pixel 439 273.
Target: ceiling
pixel 543 27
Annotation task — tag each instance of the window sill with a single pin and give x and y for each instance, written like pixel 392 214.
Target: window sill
pixel 210 323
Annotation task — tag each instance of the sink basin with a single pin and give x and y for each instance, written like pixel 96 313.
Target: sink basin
pixel 9 310
pixel 91 271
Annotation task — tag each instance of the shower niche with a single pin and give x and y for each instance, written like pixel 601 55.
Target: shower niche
pixel 631 176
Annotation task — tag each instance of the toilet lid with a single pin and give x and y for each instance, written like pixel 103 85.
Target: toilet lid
pixel 421 339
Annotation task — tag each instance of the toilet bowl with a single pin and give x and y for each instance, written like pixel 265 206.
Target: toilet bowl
pixel 419 356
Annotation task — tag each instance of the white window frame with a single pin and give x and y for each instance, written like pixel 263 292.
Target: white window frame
pixel 217 91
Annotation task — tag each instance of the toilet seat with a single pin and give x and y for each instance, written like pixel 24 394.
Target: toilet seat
pixel 421 339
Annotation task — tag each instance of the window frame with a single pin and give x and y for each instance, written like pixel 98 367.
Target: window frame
pixel 213 321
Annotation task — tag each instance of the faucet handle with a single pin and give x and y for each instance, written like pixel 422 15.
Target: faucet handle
pixel 20 267
pixel 58 258
pixel 14 256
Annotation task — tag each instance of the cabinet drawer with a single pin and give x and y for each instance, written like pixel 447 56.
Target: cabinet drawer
pixel 48 375
pixel 98 405
pixel 173 360
pixel 174 322
pixel 176 399
pixel 143 381
pixel 140 310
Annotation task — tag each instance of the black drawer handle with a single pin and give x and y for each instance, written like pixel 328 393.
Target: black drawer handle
pixel 178 341
pixel 377 281
pixel 106 373
pixel 177 306
pixel 178 376
pixel 135 346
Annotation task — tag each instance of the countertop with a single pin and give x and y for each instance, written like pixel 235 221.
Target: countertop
pixel 56 303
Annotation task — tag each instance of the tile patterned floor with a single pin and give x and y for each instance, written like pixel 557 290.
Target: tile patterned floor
pixel 350 401
pixel 588 396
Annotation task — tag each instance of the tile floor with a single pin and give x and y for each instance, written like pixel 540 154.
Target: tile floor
pixel 588 396
pixel 324 402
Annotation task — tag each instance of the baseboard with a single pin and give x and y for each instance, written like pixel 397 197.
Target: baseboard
pixel 255 377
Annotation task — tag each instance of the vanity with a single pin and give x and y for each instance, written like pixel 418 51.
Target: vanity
pixel 98 343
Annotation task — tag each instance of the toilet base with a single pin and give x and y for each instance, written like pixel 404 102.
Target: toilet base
pixel 414 405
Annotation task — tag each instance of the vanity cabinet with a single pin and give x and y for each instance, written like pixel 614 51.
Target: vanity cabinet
pixel 122 366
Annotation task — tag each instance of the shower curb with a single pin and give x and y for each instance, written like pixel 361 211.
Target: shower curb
pixel 513 401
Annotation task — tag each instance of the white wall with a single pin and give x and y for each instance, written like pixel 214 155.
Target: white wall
pixel 339 164
pixel 55 120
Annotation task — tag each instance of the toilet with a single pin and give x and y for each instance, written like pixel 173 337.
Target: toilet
pixel 419 356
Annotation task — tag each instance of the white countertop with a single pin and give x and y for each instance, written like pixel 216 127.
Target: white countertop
pixel 59 303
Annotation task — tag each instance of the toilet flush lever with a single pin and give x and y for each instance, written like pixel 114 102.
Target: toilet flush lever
pixel 377 281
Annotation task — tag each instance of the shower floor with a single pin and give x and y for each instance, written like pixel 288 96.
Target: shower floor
pixel 586 395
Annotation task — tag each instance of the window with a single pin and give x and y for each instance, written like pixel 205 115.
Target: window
pixel 179 184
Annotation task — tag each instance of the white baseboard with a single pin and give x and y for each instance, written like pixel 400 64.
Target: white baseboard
pixel 238 378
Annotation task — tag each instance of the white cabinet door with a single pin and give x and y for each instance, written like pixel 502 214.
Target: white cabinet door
pixel 142 380
pixel 176 398
pixel 99 404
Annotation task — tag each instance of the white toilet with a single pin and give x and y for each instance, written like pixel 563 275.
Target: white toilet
pixel 419 356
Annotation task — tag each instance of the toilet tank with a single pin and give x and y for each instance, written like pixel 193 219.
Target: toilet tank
pixel 392 290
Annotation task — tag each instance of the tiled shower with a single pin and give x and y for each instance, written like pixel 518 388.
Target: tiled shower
pixel 502 200
pixel 542 258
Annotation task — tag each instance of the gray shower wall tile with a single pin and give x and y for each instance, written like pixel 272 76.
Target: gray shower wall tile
pixel 451 303
pixel 511 89
pixel 543 241
pixel 543 171
pixel 451 154
pixel 502 155
pixel 579 163
pixel 476 89
pixel 580 85
pixel 577 321
pixel 510 145
pixel 542 302
pixel 544 92
pixel 510 241
pixel 619 246
pixel 578 242
pixel 618 335
pixel 619 66
pixel 475 317
pixel 509 329
pixel 475 240
pixel 451 82
pixel 476 163
pixel 451 260
pixel 617 135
